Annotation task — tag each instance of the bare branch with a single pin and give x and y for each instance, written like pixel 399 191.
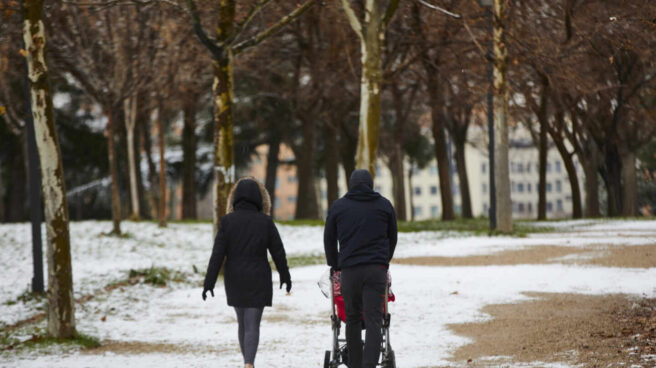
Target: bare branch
pixel 389 12
pixel 215 50
pixel 241 26
pixel 435 7
pixel 352 18
pixel 258 38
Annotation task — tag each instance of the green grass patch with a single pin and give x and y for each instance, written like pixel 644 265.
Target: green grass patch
pixel 45 342
pixel 27 297
pixel 81 340
pixel 157 276
pixel 303 260
pixel 302 222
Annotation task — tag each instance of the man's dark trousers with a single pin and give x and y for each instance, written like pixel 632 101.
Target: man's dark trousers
pixel 363 289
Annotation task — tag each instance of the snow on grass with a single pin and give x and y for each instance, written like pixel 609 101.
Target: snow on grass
pixel 185 331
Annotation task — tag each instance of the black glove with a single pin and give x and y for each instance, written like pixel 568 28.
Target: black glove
pixel 289 284
pixel 205 293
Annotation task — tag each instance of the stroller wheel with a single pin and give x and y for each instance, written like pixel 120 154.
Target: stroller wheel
pixel 326 360
pixel 391 360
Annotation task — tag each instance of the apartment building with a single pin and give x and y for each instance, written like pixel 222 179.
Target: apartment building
pixel 423 185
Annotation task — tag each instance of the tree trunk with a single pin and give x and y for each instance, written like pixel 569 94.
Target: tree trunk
pixel 441 153
pixel 189 160
pixel 332 165
pixel 17 183
pixel 138 149
pixel 348 148
pixel 543 150
pixel 113 169
pixel 370 86
pixel 412 206
pixel 153 201
pixel 61 317
pixel 130 116
pixel 629 185
pixel 501 169
pixel 614 180
pixel 306 199
pixel 591 168
pixel 371 33
pixel 463 178
pixel 162 165
pixel 571 174
pixel 224 167
pixel 272 168
pixel 398 182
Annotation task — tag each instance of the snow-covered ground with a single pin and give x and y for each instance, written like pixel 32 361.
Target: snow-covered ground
pixel 173 327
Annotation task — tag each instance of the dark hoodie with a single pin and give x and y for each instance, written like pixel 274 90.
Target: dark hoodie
pixel 363 222
pixel 243 239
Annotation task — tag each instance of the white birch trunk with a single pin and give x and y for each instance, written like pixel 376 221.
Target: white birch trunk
pixel 61 319
pixel 130 109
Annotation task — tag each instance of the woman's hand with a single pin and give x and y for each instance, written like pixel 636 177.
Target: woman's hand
pixel 205 293
pixel 289 284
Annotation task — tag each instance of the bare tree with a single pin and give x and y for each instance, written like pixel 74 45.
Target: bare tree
pixel 61 308
pixel 370 28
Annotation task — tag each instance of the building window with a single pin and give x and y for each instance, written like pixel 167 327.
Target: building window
pixel 529 206
pixel 484 187
pixel 528 187
pixel 292 179
pixel 548 167
pixel 568 198
pixel 434 211
pixel 521 207
pixel 433 169
pixel 549 207
pixel 559 205
pixel 417 210
pixel 528 167
pixel 291 199
pixel 277 203
pixel 484 168
pixel 548 187
pixel 520 187
pixel 558 166
pixel 486 209
pixel 433 189
pixel 559 186
pixel 417 190
pixel 520 167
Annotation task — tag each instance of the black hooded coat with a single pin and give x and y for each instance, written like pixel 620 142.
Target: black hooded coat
pixel 364 223
pixel 243 239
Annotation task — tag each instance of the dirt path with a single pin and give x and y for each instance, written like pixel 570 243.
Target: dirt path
pixel 641 256
pixel 583 330
pixel 594 331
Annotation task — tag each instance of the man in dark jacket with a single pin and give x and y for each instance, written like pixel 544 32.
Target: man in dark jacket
pixel 364 223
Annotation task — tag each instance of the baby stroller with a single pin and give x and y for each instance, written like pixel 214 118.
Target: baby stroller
pixel 331 287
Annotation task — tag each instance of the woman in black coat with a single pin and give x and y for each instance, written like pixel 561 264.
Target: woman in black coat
pixel 245 234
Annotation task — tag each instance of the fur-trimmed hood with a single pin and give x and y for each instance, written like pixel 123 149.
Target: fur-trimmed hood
pixel 266 198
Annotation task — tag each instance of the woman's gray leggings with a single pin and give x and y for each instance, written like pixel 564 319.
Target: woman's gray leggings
pixel 249 331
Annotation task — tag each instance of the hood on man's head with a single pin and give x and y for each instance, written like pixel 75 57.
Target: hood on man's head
pixel 361 176
pixel 249 190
